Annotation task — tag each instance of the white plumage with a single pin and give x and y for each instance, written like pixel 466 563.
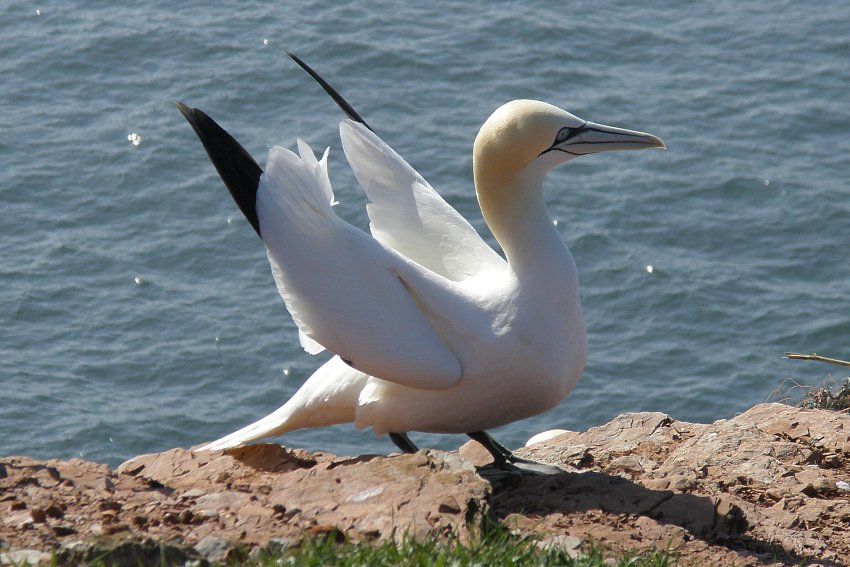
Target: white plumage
pixel 432 329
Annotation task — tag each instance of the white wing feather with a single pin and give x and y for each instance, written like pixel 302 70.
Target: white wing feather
pixel 406 213
pixel 340 284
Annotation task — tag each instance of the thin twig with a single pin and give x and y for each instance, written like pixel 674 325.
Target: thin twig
pixel 817 357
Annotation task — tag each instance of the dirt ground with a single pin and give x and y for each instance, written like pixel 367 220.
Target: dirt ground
pixel 768 487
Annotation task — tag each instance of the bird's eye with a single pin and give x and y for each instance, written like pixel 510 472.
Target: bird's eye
pixel 563 134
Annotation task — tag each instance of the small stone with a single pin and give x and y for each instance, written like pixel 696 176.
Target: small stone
pixel 207 514
pixel 76 548
pixel 790 521
pixel 627 463
pixel 280 544
pixel 213 549
pixel 657 483
pixel 139 521
pixel 775 493
pixel 680 483
pixel 109 505
pixel 729 518
pixel 568 544
pixel 812 481
pixel 831 461
pixel 54 511
pixel 113 528
pixel 694 513
pixel 275 546
pixel 62 531
pixel 131 468
pixel 38 515
pixel 25 557
pixel 776 427
pixel 193 493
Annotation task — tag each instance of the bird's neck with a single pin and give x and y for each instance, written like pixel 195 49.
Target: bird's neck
pixel 514 209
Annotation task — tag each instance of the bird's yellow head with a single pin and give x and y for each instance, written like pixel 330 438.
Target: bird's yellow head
pixel 525 132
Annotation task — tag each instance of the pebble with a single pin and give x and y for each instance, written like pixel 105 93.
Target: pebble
pixel 568 544
pixel 25 557
pixel 213 549
pixel 194 493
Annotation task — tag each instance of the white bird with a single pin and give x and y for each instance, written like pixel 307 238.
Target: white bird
pixel 431 329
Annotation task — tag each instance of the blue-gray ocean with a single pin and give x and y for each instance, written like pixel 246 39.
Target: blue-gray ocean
pixel 137 310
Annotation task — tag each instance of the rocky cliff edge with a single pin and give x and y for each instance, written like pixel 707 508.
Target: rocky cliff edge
pixel 770 487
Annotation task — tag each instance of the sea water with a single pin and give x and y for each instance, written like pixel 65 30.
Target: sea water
pixel 137 310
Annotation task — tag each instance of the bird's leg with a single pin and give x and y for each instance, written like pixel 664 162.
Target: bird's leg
pixel 505 464
pixel 501 454
pixel 403 442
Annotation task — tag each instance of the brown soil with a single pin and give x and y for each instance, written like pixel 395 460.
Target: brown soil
pixel 768 487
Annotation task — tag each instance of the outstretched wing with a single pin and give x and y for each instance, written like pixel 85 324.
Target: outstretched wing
pixel 341 285
pixel 406 213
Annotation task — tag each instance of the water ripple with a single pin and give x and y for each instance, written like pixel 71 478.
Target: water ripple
pixel 743 219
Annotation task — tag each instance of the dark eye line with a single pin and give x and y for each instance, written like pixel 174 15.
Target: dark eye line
pixel 571 132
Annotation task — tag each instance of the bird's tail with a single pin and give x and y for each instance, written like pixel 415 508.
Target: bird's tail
pixel 275 423
pixel 328 397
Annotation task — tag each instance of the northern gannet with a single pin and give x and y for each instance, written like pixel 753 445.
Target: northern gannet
pixel 430 328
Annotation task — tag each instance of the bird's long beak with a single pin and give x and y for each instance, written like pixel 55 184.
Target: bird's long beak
pixel 592 138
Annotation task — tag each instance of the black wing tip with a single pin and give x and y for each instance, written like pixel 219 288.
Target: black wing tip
pixel 237 168
pixel 239 171
pixel 332 92
pixel 189 113
pixel 186 111
pixel 195 117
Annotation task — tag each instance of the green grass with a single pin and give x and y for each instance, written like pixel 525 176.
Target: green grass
pixel 497 548
pixel 491 551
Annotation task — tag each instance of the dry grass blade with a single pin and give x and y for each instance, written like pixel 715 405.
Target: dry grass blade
pixel 828 395
pixel 816 357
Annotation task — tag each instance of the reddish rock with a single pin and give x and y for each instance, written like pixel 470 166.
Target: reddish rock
pixel 770 486
pixel 745 490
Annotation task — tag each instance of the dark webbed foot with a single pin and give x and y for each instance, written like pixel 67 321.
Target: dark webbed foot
pixel 505 464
